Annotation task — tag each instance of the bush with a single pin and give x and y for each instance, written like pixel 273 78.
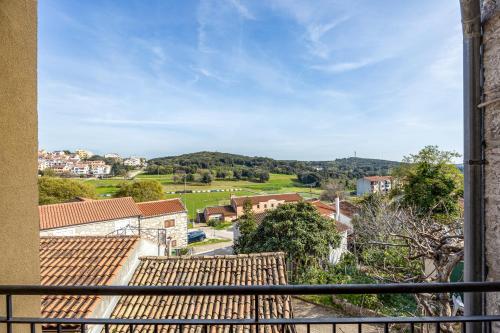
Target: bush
pixel 57 190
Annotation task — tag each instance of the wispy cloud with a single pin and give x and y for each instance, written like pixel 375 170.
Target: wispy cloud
pixel 247 76
pixel 242 10
pixel 340 67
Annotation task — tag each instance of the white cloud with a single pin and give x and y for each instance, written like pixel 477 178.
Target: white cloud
pixel 340 67
pixel 242 10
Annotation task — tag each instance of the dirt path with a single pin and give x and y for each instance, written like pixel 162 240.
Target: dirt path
pixel 302 309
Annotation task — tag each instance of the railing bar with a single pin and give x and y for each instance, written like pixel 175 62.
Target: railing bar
pixel 8 311
pixel 106 328
pixel 412 327
pixel 32 328
pixel 334 328
pixel 131 328
pixel 58 328
pixel 464 327
pixel 308 328
pixel 155 328
pixel 359 328
pixel 438 327
pixel 82 328
pixel 407 288
pixel 181 328
pixel 386 327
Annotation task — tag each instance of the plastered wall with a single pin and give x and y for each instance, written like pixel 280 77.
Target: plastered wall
pixel 19 240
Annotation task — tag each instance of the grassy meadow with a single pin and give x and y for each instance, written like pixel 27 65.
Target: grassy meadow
pixel 277 183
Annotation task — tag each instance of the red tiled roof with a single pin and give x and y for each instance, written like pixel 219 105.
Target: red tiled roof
pixel 73 213
pixel 83 260
pixel 229 270
pixel 161 207
pixel 224 210
pixel 287 197
pixel 346 208
pixel 323 208
pixel 377 178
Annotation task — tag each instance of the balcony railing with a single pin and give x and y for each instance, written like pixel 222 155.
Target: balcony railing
pixel 256 323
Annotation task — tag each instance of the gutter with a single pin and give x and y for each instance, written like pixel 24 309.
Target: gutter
pixel 474 160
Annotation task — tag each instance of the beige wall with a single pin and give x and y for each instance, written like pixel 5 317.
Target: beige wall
pixel 491 62
pixel 19 263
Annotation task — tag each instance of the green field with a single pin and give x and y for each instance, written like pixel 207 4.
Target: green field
pixel 277 183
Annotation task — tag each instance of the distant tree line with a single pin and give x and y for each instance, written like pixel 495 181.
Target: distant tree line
pixel 232 166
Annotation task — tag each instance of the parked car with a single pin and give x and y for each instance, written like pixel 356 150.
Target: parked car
pixel 196 236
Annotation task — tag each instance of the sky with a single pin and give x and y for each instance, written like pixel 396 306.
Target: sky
pixel 304 80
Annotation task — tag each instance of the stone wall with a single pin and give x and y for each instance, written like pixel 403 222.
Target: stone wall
pixel 491 61
pixel 178 232
pixel 92 229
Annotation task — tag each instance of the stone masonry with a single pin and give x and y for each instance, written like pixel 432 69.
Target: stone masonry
pixel 491 62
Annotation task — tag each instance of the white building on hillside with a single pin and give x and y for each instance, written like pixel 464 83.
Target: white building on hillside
pixel 374 184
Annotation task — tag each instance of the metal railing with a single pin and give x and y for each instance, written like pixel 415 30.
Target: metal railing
pixel 257 322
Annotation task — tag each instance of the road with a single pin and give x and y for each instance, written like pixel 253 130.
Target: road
pixel 302 309
pixel 224 248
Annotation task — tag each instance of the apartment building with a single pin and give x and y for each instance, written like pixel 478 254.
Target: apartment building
pixel 374 184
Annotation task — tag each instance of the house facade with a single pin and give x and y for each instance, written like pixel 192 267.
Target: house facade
pixel 170 216
pixel 260 204
pixel 374 184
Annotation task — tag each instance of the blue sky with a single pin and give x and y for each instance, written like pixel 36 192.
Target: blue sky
pixel 307 80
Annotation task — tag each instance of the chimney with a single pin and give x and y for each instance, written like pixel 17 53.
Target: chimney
pixel 337 208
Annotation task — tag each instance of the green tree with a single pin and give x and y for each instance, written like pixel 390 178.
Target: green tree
pixel 146 190
pixel 57 190
pixel 246 225
pixel 206 177
pixel 431 183
pixel 296 229
pixel 263 176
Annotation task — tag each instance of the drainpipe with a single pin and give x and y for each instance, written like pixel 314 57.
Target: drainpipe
pixel 474 263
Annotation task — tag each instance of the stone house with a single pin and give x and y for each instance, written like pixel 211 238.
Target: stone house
pixel 158 221
pixel 169 216
pixel 88 217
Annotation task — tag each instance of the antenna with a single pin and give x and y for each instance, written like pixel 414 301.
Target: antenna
pixel 354 153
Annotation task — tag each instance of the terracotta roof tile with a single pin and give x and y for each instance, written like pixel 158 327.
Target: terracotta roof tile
pixel 161 207
pixel 83 260
pixel 81 212
pixel 287 197
pixel 225 210
pixel 246 269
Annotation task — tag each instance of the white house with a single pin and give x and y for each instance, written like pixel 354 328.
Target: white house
pixel 132 161
pixel 80 169
pixel 373 184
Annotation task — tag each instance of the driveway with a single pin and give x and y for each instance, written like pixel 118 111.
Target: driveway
pixel 302 309
pixel 222 248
